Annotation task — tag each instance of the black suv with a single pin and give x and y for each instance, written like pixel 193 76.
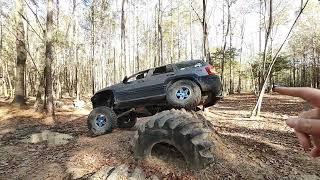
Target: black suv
pixel 185 85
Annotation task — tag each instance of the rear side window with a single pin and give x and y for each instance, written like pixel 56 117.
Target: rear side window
pixel 189 64
pixel 162 70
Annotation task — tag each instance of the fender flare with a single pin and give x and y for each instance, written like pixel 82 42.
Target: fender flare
pixel 175 79
pixel 104 97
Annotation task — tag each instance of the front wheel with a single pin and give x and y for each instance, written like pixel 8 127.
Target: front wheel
pixel 184 94
pixel 101 120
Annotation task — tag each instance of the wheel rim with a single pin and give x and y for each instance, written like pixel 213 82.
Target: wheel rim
pixel 183 93
pixel 101 120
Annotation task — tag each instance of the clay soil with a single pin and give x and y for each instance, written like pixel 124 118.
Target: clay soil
pixel 245 148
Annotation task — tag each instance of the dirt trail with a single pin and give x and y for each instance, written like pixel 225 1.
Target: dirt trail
pixel 246 148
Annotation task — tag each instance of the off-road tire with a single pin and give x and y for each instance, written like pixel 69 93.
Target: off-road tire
pixel 127 122
pixel 111 121
pixel 192 102
pixel 179 128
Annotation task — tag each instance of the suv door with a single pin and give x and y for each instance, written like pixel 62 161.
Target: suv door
pixel 157 79
pixel 129 89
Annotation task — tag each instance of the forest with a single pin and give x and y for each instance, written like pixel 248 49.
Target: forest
pixel 74 48
pixel 57 52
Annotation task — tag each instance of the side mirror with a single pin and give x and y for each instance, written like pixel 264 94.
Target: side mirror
pixel 125 79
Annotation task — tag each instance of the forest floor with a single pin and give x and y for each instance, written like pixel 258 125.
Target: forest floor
pixel 261 148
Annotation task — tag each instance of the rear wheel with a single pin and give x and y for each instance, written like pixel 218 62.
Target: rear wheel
pixel 184 94
pixel 101 120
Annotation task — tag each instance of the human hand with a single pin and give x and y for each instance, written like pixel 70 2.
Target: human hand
pixel 307 125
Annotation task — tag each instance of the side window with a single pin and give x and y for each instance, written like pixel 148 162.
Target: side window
pixel 140 75
pixel 189 64
pixel 162 70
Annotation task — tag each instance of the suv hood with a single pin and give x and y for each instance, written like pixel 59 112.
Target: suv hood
pixel 115 86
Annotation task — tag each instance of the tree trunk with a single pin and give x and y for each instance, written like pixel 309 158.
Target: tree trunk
pixel 318 72
pixel 9 81
pixel 171 31
pixel 225 43
pixel 48 102
pixel 190 32
pixel 240 59
pixel 314 67
pixel 137 56
pixel 205 31
pixel 160 42
pixel 19 97
pixel 5 89
pixel 58 91
pixel 260 27
pixel 179 33
pixel 77 76
pixel 264 78
pixel 155 49
pixel 93 48
pixel 114 66
pixel 294 71
pixel 123 40
pixel 39 102
pixel 231 89
pixel 303 72
pixel 268 33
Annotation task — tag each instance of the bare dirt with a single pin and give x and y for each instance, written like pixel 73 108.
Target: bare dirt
pixel 259 148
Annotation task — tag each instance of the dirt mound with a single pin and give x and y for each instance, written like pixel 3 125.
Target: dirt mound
pixel 52 138
pixel 119 172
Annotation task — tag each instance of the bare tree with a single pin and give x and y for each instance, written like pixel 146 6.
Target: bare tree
pixel 257 108
pixel 93 47
pixel 225 35
pixel 267 37
pixel 123 38
pixel 19 97
pixel 231 56
pixel 240 59
pixel 2 69
pixel 190 30
pixel 171 31
pixel 204 25
pixel 160 43
pixel 48 101
pixel 205 30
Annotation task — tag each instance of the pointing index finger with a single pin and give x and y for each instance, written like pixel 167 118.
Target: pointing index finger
pixel 309 94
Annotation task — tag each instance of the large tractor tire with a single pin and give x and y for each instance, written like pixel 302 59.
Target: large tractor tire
pixel 101 120
pixel 179 128
pixel 184 94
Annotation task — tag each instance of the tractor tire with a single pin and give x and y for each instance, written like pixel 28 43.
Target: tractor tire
pixel 184 94
pixel 101 120
pixel 179 128
pixel 127 122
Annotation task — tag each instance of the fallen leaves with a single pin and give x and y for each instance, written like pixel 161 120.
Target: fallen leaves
pixel 258 148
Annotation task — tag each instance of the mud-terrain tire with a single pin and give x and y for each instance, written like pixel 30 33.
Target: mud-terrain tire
pixel 179 128
pixel 184 94
pixel 128 121
pixel 101 120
